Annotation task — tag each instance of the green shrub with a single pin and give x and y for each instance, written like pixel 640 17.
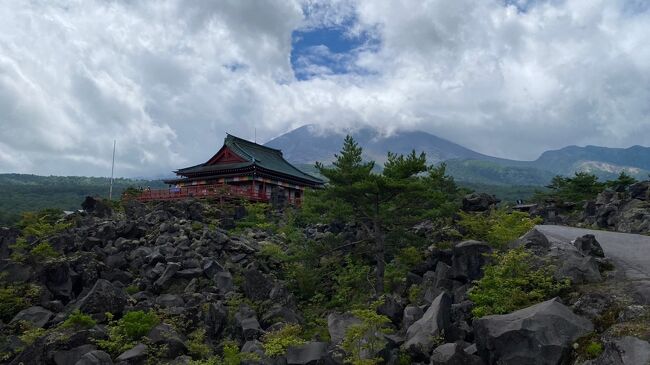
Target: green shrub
pixel 581 186
pixel 31 335
pixel 16 297
pixel 407 258
pixel 123 334
pixel 415 294
pixel 277 342
pixel 273 251
pixel 44 251
pixel 257 218
pixel 132 289
pixel 78 320
pixel 365 337
pixel 196 346
pixel 19 250
pixel 42 224
pixel 510 282
pixel 137 324
pixel 497 228
pixel 593 349
pixel 351 285
pixel 196 226
pixel 231 356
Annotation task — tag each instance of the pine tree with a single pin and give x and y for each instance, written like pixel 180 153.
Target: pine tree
pixel 406 192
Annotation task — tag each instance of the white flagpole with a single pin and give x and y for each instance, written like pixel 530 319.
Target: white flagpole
pixel 110 191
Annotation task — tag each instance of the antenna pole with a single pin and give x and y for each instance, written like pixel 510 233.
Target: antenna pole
pixel 110 190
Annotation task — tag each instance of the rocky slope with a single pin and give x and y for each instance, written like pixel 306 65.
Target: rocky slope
pixel 622 209
pixel 207 284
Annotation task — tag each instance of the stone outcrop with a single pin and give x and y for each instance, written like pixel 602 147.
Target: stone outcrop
pixel 422 335
pixel 538 335
pixel 479 202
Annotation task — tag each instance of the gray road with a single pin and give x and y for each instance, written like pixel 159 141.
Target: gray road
pixel 629 252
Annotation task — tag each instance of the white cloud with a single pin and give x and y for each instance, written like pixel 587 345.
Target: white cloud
pixel 168 78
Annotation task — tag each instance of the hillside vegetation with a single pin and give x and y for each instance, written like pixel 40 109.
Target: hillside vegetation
pixel 21 193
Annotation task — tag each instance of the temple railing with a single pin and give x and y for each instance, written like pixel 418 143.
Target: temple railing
pixel 216 191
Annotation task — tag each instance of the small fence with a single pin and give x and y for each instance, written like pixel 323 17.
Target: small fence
pixel 222 192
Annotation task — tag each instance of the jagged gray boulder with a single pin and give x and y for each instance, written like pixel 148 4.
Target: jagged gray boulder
pixel 247 325
pixel 422 335
pixel 393 308
pixel 538 335
pixel 256 285
pixel 166 337
pixel 166 277
pixel 573 265
pixel 588 245
pixel 95 357
pixel 58 280
pixel 309 353
pixel 223 281
pixel 216 318
pixel 72 356
pixel 452 354
pixel 36 316
pixel 103 298
pixel 468 259
pixel 411 314
pixel 338 324
pixel 533 240
pixel 135 355
pixel 479 202
pixel 96 207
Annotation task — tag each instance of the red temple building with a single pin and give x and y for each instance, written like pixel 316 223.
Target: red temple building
pixel 240 169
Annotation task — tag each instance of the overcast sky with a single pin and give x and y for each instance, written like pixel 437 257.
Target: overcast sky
pixel 168 78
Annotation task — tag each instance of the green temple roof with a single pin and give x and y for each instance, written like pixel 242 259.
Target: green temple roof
pixel 254 155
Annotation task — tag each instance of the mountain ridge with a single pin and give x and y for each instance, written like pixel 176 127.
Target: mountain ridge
pixel 307 144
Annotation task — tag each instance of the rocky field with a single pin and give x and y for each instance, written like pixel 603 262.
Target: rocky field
pixel 162 283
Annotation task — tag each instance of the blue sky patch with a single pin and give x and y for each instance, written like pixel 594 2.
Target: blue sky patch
pixel 327 51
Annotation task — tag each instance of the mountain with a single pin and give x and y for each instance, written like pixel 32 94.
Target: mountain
pixel 608 161
pixel 307 144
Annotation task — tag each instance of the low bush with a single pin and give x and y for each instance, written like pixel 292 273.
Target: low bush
pixel 196 346
pixel 511 282
pixel 277 342
pixel 593 349
pixel 406 259
pixel 350 289
pixel 273 251
pixel 132 289
pixel 31 335
pixel 78 320
pixel 366 337
pixel 123 334
pixel 256 218
pixel 43 251
pixel 230 356
pixel 497 228
pixel 16 297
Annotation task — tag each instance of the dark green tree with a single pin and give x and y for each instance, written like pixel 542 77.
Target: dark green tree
pixel 582 186
pixel 404 193
pixel 624 180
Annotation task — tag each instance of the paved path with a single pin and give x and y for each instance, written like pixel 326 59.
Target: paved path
pixel 629 252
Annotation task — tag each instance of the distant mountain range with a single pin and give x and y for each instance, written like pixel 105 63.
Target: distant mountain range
pixel 307 144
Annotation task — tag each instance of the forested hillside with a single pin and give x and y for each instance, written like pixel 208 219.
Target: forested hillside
pixel 22 193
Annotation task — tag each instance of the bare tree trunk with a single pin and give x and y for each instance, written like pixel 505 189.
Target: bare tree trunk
pixel 379 252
